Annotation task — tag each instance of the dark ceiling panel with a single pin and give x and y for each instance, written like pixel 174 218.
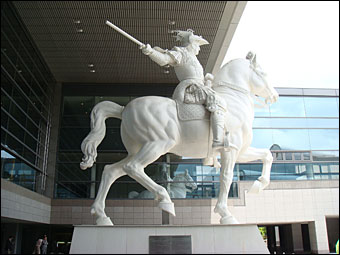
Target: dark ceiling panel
pixel 54 24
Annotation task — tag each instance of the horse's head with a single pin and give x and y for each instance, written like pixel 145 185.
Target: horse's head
pixel 258 82
pixel 189 182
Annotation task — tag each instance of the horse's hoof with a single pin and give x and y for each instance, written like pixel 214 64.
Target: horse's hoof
pixel 256 188
pixel 104 221
pixel 168 207
pixel 217 164
pixel 229 220
pixel 85 165
pixel 209 161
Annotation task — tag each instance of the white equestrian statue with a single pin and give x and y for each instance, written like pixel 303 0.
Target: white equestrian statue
pixel 150 127
pixel 179 186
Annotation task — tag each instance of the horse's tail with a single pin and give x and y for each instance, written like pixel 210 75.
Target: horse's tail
pixel 99 114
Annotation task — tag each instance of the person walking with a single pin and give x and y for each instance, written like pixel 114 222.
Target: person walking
pixel 9 247
pixel 44 245
pixel 37 247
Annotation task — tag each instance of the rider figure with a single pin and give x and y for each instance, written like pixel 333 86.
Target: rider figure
pixel 190 73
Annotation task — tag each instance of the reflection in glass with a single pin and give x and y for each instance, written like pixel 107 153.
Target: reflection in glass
pixel 262 138
pixel 325 155
pixel 297 156
pixel 288 106
pixel 16 171
pixel 323 123
pixel 321 107
pixel 324 139
pixel 291 139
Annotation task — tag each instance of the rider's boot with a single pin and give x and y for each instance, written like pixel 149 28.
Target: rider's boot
pixel 217 122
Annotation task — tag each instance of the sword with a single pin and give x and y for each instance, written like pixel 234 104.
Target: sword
pixel 125 34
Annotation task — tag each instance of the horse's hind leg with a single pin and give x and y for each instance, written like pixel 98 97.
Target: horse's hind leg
pixel 266 157
pixel 110 174
pixel 135 169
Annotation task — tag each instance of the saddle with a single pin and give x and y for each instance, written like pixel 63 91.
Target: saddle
pixel 191 111
pixel 189 101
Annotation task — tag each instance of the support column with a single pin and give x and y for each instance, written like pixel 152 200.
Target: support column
pixel 93 179
pixel 297 237
pixel 53 143
pixel 318 236
pixel 18 238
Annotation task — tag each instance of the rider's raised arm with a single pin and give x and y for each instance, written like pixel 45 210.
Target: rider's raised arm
pixel 160 56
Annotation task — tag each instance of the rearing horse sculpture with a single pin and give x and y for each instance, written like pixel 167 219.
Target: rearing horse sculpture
pixel 149 132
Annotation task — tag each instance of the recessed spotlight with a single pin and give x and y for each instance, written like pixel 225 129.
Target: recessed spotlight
pixel 172 22
pixel 80 30
pixel 166 71
pixel 90 65
pixel 76 21
pixel 92 71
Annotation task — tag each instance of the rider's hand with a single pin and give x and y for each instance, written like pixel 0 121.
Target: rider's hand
pixel 146 49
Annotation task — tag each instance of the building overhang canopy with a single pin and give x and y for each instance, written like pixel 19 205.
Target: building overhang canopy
pixel 79 47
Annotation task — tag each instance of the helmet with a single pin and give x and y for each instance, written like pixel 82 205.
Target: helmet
pixel 188 37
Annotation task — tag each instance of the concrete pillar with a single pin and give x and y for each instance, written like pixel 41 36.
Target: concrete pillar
pixel 309 171
pixel 93 179
pixel 53 143
pixel 18 238
pixel 297 237
pixel 318 236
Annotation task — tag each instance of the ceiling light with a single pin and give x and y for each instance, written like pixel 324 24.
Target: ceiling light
pixel 166 71
pixel 92 71
pixel 76 21
pixel 90 65
pixel 172 22
pixel 80 30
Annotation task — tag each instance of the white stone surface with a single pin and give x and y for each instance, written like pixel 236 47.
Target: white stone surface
pixel 240 239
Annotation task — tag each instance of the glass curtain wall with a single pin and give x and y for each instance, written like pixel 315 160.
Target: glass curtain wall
pixel 303 134
pixel 303 141
pixel 26 90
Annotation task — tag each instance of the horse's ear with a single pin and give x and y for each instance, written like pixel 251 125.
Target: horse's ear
pixel 253 61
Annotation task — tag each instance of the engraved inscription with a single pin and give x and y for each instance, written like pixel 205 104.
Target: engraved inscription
pixel 170 245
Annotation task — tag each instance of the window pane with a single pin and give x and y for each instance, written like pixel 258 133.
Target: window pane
pixel 262 138
pixel 325 155
pixel 78 105
pixel 291 139
pixel 262 111
pixel 297 156
pixel 323 123
pixel 14 170
pixel 288 123
pixel 288 107
pixel 289 156
pixel 324 139
pixel 321 107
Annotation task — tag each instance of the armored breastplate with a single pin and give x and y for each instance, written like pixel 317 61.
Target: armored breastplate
pixel 189 68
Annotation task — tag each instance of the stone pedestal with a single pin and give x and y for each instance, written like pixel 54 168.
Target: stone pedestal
pixel 237 239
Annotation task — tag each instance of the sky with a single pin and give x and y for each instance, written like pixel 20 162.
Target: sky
pixel 296 43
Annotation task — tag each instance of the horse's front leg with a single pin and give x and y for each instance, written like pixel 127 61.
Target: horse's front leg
pixel 228 160
pixel 267 159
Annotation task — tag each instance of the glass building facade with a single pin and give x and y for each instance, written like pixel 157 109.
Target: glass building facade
pixel 301 131
pixel 26 91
